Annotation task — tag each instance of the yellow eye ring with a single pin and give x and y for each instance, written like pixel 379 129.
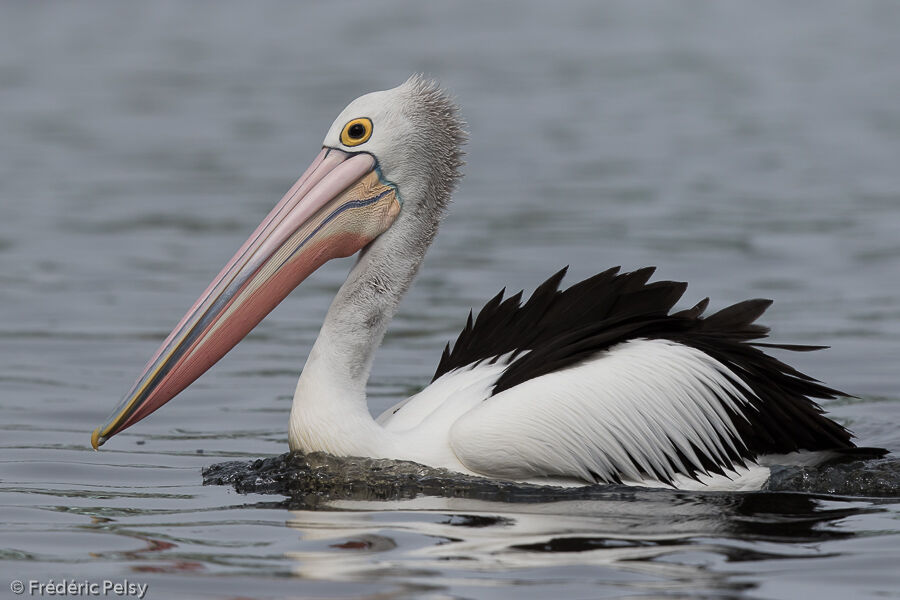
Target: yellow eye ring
pixel 356 132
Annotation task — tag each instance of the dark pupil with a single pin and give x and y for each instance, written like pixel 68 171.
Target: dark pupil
pixel 356 131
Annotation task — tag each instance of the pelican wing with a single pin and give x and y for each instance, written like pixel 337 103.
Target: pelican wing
pixel 601 381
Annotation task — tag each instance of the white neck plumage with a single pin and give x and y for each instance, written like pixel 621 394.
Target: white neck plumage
pixel 329 411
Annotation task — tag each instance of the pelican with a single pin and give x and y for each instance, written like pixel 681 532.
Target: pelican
pixel 600 382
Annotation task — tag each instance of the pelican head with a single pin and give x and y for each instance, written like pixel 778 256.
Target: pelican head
pixel 388 164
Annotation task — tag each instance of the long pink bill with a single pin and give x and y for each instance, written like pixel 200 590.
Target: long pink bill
pixel 338 205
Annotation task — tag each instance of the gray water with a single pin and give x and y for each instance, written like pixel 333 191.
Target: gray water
pixel 752 149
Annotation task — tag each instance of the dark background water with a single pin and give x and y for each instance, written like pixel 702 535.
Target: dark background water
pixel 751 149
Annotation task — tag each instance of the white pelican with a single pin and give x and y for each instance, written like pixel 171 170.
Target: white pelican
pixel 596 383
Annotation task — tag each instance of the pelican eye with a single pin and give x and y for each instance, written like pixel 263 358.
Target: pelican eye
pixel 356 132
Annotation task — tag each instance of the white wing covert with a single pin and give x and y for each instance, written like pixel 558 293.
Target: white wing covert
pixel 643 409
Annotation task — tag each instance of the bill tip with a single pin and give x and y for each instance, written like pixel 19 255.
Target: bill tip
pixel 96 440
